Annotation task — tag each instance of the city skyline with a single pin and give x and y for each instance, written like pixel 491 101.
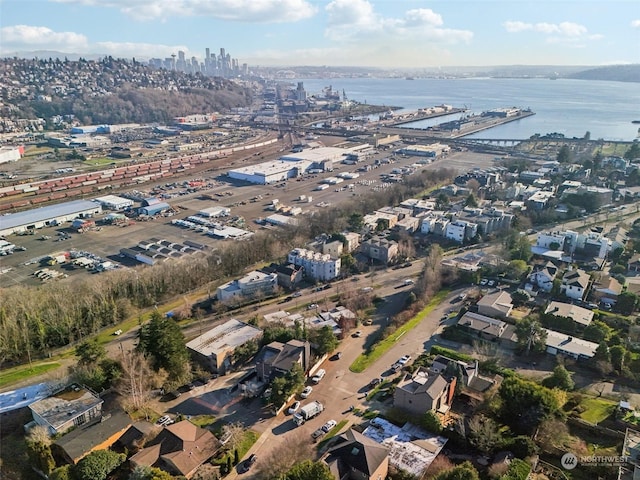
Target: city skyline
pixel 367 33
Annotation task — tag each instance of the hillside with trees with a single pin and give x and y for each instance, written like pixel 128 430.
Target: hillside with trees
pixel 613 73
pixel 110 91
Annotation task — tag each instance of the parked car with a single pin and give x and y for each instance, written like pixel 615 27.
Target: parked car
pixel 164 420
pixel 306 392
pixel 375 381
pixel 404 359
pixel 483 281
pixel 329 425
pixel 317 433
pixel 294 407
pixel 337 356
pixel 358 334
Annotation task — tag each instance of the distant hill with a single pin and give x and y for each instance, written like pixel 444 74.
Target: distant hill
pixel 613 73
pixel 110 91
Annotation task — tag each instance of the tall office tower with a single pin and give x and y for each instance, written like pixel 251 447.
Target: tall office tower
pixel 181 63
pixel 195 65
pixel 301 94
pixel 207 59
pixel 245 69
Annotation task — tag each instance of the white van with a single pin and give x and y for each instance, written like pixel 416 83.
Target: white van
pixel 318 376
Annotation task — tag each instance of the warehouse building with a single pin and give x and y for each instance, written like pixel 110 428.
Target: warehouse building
pixel 213 212
pixel 11 154
pixel 47 216
pixel 270 172
pixel 214 349
pixel 154 209
pixel 433 150
pixel 113 202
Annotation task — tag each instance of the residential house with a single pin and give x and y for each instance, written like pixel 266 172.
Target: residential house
pixel 289 275
pixel 424 391
pixel 607 289
pixel 633 265
pixel 357 457
pixel 490 329
pixel 252 284
pixel 582 316
pixel 472 384
pixel 214 348
pixel 72 407
pixel 80 442
pixel 543 276
pixel 380 249
pixel 575 284
pixel 560 344
pixel 278 358
pixel 498 304
pixel 179 449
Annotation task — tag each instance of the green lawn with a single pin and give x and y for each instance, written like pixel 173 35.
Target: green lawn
pixel 597 409
pixel 366 359
pixel 23 372
pixel 202 420
pixel 331 433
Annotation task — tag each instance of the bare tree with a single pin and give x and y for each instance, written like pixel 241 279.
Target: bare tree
pixel 284 457
pixel 234 435
pixel 136 382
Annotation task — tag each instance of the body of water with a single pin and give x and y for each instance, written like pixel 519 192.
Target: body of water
pixel 569 107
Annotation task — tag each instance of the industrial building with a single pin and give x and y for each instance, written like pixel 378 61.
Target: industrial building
pixel 290 166
pixel 113 202
pixel 270 172
pixel 11 154
pixel 154 209
pixel 47 216
pixel 214 349
pixel 213 212
pixel 433 150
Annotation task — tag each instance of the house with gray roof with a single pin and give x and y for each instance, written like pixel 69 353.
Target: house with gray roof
pixel 278 358
pixel 357 457
pixel 498 304
pixel 560 344
pixel 214 349
pixel 580 315
pixel 424 391
pixel 80 442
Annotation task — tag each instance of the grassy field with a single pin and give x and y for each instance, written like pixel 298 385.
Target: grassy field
pixel 23 372
pixel 597 409
pixel 203 420
pixel 366 359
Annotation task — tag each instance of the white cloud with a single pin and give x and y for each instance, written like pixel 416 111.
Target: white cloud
pixel 258 11
pixel 357 20
pixel 635 23
pixel 18 37
pixel 565 29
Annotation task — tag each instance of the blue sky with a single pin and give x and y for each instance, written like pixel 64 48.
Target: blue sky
pixel 379 33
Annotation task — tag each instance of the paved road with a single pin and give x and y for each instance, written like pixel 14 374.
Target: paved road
pixel 341 387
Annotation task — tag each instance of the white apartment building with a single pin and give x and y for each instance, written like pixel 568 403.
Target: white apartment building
pixel 459 231
pixel 317 266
